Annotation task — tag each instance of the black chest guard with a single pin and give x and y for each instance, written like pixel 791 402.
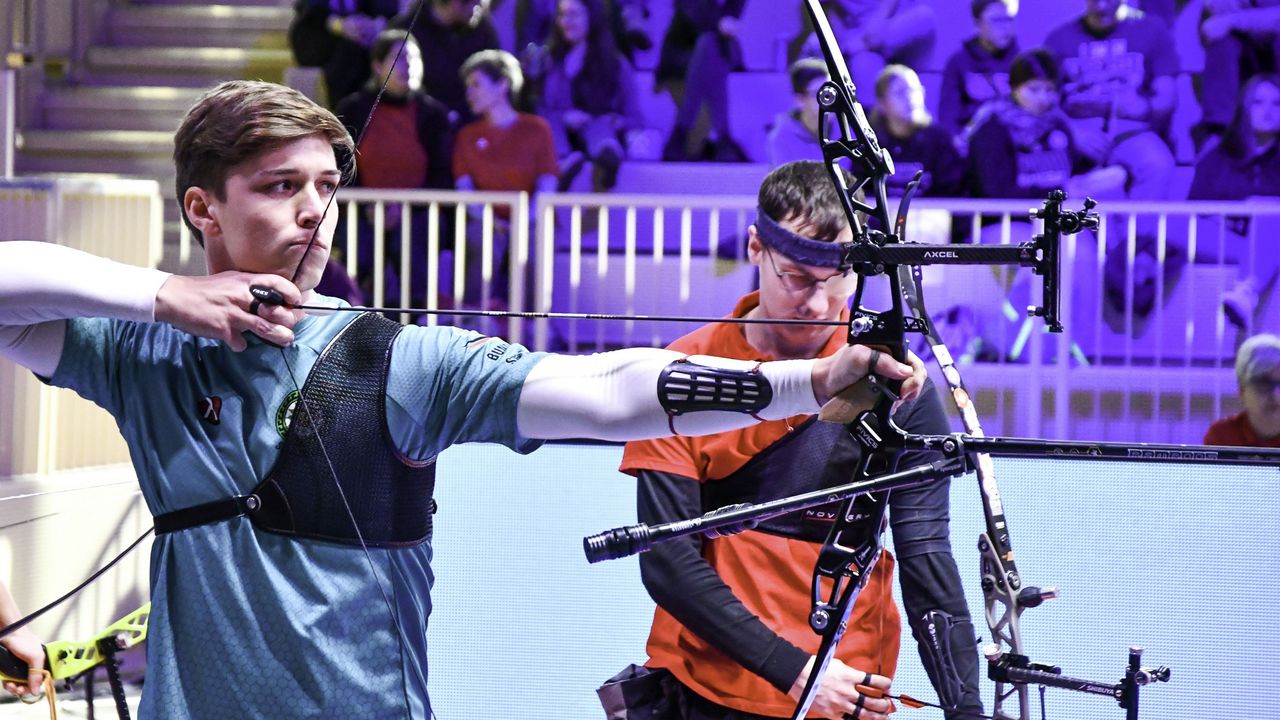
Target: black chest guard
pixel 389 495
pixel 813 456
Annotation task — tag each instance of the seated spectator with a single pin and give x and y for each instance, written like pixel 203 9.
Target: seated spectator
pixel 335 35
pixel 584 88
pixel 503 150
pixel 630 25
pixel 906 130
pixel 1246 164
pixel 699 51
pixel 873 33
pixel 1258 373
pixel 794 134
pixel 1118 87
pixel 449 32
pixel 979 71
pixel 408 144
pixel 535 20
pixel 1022 146
pixel 1240 39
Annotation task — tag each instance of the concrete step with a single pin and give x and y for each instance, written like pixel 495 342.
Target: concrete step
pixel 96 142
pixel 134 153
pixel 181 66
pixel 116 108
pixel 215 25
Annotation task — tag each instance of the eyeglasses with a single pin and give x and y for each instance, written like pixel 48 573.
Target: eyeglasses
pixel 803 283
pixel 1265 385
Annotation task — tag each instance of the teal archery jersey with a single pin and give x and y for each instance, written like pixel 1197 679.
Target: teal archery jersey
pixel 245 623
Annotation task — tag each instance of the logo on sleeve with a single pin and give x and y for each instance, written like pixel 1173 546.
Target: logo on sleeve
pixel 210 409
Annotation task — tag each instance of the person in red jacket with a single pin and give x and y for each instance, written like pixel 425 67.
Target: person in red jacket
pixel 1258 372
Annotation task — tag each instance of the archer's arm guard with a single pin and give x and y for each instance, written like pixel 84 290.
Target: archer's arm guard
pixel 691 384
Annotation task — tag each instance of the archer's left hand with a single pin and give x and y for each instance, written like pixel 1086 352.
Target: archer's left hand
pixel 912 386
pixel 852 363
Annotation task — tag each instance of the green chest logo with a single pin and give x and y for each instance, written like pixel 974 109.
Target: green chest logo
pixel 284 413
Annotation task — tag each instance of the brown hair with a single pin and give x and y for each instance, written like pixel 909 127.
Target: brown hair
pixel 390 42
pixel 804 71
pixel 801 190
pixel 497 65
pixel 239 119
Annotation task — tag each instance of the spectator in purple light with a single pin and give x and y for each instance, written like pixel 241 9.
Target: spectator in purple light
pixel 979 71
pixel 449 32
pixel 1241 38
pixel 1118 87
pixel 699 51
pixel 874 33
pixel 585 90
pixel 906 130
pixel 535 20
pixel 1258 372
pixel 794 134
pixel 504 150
pixel 335 35
pixel 408 144
pixel 1022 147
pixel 1246 164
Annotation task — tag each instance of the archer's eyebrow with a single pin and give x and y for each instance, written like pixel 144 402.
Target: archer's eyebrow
pixel 288 172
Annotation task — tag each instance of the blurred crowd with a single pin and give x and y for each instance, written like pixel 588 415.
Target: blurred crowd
pixel 1090 111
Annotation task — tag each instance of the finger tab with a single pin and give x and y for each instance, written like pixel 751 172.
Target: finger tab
pixel 871 692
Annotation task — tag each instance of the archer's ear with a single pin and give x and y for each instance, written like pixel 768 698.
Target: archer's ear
pixel 755 248
pixel 197 203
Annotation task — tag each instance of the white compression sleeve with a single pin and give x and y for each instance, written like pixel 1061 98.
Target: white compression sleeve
pixel 41 281
pixel 614 396
pixel 42 285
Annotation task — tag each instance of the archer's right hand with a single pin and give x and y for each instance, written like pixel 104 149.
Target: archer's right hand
pixel 220 307
pixel 838 695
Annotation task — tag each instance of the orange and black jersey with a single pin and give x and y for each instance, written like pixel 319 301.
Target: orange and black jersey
pixel 731 621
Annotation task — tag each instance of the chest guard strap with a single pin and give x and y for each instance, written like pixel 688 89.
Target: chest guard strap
pixel 813 456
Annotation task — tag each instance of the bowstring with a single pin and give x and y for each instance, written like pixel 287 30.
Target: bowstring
pixel 302 399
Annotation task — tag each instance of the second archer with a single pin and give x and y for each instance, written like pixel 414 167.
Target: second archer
pixel 730 639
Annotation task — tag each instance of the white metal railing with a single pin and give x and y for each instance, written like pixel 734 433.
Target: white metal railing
pixel 458 227
pixel 1115 372
pixel 694 267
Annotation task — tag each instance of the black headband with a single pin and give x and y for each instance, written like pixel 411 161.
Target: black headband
pixel 797 247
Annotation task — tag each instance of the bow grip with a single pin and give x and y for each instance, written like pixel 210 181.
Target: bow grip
pixel 12 668
pixel 863 395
